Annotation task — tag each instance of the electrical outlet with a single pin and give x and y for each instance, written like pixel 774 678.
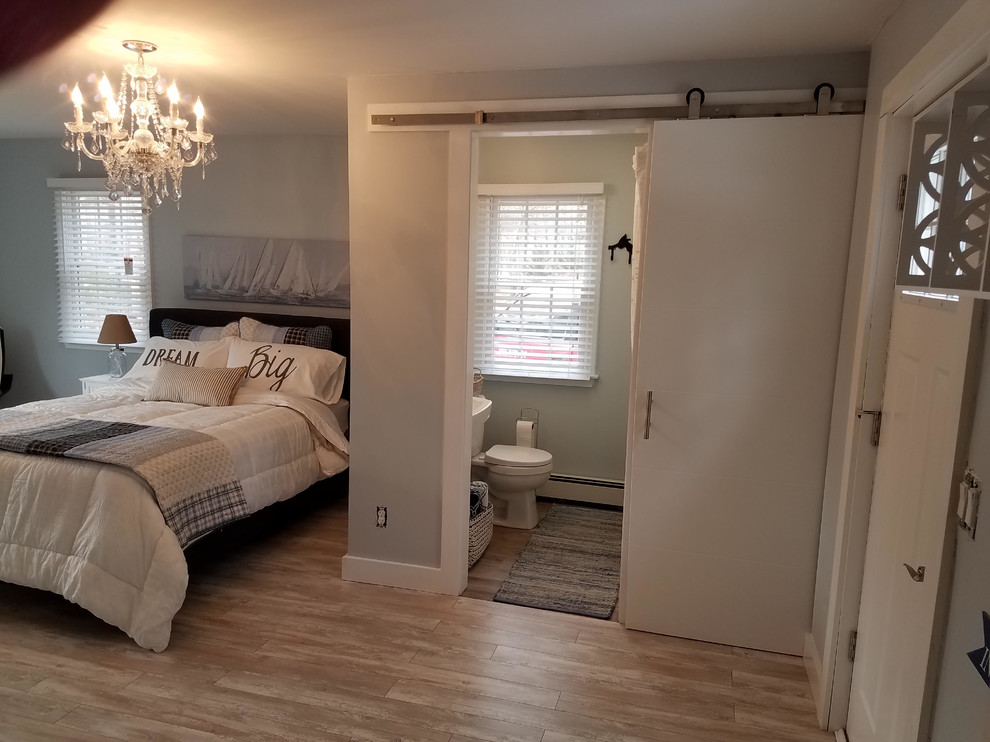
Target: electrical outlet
pixel 382 517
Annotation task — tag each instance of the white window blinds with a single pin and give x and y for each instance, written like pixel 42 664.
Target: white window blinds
pixel 103 261
pixel 537 280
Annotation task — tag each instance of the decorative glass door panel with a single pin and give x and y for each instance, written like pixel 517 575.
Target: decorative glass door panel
pixel 960 249
pixel 923 199
pixel 947 199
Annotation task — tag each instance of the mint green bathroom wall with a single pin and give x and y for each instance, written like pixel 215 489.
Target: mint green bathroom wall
pixel 583 427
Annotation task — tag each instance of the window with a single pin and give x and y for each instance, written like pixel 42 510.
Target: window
pixel 537 281
pixel 103 260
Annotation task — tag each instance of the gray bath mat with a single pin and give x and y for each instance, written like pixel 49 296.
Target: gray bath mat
pixel 571 563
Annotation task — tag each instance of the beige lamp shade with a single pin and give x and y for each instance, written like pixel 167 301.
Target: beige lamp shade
pixel 116 330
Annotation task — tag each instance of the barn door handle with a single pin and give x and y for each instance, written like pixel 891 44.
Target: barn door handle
pixel 649 414
pixel 918 575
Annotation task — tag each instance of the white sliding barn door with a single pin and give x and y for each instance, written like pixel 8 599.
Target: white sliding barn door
pixel 748 236
pixel 912 489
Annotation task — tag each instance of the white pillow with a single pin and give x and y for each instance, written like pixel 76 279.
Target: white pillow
pixel 204 354
pixel 290 369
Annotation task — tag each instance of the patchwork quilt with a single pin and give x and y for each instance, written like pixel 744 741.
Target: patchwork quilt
pixel 190 473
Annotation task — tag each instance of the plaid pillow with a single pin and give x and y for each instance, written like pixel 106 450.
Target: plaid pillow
pixel 315 337
pixel 175 330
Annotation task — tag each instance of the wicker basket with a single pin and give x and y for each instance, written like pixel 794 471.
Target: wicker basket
pixel 480 534
pixel 479 380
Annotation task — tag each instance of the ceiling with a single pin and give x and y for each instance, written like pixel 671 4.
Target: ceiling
pixel 263 66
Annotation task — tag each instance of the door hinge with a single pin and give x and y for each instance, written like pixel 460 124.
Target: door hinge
pixel 852 645
pixel 877 418
pixel 902 192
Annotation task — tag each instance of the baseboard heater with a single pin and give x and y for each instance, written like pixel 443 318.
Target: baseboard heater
pixel 611 483
pixel 583 489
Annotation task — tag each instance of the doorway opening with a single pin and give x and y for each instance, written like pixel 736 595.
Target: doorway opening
pixel 581 424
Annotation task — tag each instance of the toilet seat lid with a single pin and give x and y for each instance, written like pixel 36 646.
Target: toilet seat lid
pixel 517 456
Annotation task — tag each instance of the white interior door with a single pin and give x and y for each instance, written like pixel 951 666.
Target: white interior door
pixel 742 286
pixel 923 392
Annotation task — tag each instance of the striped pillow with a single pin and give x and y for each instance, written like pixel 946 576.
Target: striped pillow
pixel 210 387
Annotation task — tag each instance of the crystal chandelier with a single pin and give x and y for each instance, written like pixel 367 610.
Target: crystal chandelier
pixel 143 151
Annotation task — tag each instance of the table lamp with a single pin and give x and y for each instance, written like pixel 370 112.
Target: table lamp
pixel 116 329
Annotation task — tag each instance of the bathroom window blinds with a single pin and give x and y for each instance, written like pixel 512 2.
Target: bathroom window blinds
pixel 537 277
pixel 103 260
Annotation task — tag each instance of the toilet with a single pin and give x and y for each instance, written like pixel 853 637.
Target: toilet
pixel 513 473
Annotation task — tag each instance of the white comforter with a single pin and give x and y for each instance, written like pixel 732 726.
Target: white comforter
pixel 94 534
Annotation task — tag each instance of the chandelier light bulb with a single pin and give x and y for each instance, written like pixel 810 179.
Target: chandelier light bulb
pixel 104 87
pixel 113 111
pixel 173 103
pixel 143 151
pixel 77 101
pixel 200 113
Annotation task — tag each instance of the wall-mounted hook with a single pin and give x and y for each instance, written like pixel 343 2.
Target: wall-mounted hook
pixel 623 244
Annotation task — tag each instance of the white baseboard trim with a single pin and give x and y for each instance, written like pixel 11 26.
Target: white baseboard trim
pixel 813 667
pixel 582 492
pixel 840 735
pixel 396 574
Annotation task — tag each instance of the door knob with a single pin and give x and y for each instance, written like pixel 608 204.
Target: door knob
pixel 918 575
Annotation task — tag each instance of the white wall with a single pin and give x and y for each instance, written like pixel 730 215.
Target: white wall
pixel 398 292
pixel 583 427
pixel 910 28
pixel 399 208
pixel 258 187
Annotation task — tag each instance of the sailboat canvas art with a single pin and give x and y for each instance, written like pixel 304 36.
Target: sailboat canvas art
pixel 267 270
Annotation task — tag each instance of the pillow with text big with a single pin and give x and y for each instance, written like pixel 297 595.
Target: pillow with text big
pixel 157 350
pixel 290 369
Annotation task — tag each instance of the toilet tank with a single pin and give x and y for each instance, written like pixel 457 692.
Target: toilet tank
pixel 481 410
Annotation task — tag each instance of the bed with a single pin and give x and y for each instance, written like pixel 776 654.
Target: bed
pixel 101 493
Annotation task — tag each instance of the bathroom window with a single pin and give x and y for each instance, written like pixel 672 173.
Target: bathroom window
pixel 103 255
pixel 537 281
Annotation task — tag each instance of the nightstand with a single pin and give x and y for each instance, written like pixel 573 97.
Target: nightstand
pixel 92 383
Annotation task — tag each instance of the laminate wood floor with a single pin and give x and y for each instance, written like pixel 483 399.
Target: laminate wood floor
pixel 272 645
pixel 492 569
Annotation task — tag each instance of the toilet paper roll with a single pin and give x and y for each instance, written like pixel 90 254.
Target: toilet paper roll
pixel 525 433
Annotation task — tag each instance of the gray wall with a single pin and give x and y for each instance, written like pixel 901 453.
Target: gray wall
pixel 42 367
pixel 583 427
pixel 258 187
pixel 962 706
pixel 910 27
pixel 399 206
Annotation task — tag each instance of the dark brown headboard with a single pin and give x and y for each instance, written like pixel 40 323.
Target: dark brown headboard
pixel 340 327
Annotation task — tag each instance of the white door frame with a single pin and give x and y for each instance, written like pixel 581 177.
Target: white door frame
pixel 952 53
pixel 459 336
pixel 859 454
